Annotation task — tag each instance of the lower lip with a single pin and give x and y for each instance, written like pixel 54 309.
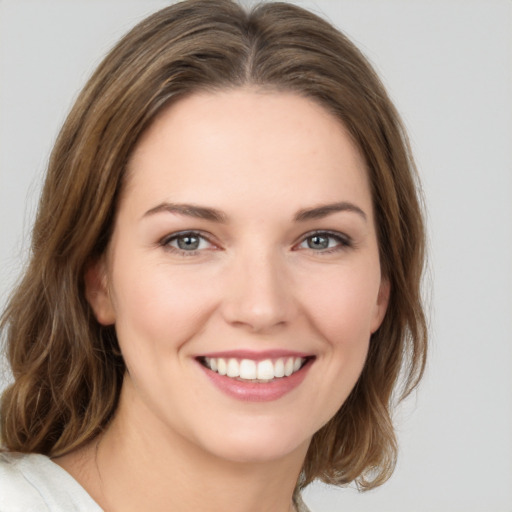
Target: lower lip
pixel 257 391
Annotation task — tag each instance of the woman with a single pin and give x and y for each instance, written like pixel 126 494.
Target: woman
pixel 225 272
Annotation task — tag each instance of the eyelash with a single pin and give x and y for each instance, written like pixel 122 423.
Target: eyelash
pixel 342 242
pixel 166 242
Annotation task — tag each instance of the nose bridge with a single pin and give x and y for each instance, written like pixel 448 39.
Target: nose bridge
pixel 259 295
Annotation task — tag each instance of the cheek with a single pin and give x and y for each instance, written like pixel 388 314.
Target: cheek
pixel 158 308
pixel 342 307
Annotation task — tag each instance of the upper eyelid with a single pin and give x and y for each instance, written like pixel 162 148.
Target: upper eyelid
pixel 165 242
pixel 327 232
pixel 344 238
pixel 177 234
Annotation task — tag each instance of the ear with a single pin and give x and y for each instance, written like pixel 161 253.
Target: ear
pixel 382 304
pixel 97 292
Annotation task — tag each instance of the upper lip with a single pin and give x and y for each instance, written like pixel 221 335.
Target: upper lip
pixel 255 355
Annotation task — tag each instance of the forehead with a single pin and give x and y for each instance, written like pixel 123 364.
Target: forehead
pixel 249 146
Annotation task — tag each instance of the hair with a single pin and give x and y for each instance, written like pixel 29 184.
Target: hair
pixel 67 367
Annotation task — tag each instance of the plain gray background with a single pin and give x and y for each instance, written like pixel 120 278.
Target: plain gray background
pixel 448 66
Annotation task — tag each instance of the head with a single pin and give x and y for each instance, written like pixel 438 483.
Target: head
pixel 67 365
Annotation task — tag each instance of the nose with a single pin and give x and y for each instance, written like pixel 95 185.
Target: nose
pixel 259 293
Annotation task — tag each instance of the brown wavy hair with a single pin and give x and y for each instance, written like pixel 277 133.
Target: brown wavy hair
pixel 67 367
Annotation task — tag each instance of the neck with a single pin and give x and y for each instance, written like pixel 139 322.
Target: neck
pixel 174 473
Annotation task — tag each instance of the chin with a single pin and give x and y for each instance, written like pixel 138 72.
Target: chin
pixel 260 445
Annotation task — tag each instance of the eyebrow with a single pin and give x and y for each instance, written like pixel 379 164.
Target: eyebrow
pixel 212 214
pixel 190 210
pixel 322 211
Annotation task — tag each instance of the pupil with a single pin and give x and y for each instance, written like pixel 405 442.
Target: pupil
pixel 318 242
pixel 188 242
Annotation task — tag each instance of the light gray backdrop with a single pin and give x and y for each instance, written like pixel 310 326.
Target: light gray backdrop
pixel 448 65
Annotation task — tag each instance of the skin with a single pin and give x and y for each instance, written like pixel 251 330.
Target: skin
pixel 256 282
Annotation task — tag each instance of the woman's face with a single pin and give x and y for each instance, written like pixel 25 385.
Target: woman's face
pixel 244 244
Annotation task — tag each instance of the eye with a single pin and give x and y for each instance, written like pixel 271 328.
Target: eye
pixel 325 242
pixel 187 242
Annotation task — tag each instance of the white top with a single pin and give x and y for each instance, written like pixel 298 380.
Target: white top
pixel 33 483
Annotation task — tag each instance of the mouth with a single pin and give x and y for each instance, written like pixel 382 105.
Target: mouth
pixel 255 371
pixel 256 376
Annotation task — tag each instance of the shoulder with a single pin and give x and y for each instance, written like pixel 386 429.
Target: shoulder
pixel 33 483
pixel 16 491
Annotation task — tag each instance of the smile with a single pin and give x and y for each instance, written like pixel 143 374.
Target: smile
pixel 250 370
pixel 256 376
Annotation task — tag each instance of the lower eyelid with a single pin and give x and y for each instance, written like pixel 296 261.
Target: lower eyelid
pixel 167 240
pixel 342 240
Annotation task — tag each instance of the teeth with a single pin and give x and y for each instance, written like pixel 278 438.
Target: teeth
pixel 288 367
pixel 279 368
pixel 222 367
pixel 265 370
pixel 233 368
pixel 247 369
